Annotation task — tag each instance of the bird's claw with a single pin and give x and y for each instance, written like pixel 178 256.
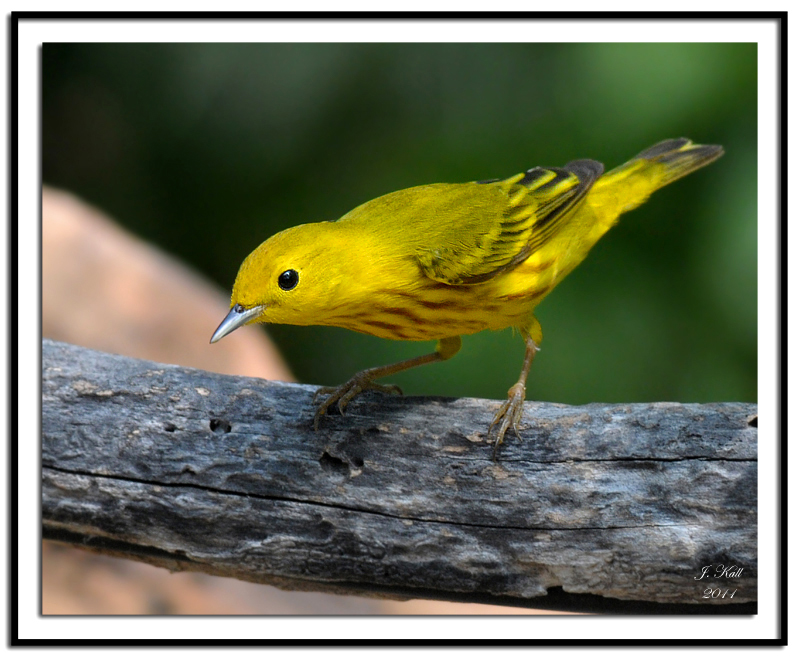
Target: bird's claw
pixel 342 395
pixel 508 416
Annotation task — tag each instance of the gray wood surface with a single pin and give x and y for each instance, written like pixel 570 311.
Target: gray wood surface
pixel 192 470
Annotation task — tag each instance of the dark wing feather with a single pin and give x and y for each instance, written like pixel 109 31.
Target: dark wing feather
pixel 534 206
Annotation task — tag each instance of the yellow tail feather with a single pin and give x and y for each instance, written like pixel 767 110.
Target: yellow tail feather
pixel 629 185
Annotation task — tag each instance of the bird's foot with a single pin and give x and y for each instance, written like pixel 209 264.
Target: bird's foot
pixel 509 416
pixel 343 394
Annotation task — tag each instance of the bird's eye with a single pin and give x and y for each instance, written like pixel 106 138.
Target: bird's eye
pixel 288 279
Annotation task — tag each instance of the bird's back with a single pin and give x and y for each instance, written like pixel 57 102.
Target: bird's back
pixel 452 259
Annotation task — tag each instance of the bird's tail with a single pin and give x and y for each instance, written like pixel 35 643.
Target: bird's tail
pixel 630 185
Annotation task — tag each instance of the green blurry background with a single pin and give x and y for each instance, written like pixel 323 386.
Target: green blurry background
pixel 206 150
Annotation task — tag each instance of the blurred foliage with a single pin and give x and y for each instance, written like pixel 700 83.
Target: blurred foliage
pixel 208 149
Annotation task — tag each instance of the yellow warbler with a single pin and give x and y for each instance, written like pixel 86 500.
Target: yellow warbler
pixel 440 261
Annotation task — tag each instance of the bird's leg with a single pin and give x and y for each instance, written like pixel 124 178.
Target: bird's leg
pixel 510 413
pixel 343 394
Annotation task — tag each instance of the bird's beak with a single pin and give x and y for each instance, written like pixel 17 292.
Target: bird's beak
pixel 238 316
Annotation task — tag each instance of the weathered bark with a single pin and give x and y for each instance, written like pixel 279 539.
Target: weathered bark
pixel 192 470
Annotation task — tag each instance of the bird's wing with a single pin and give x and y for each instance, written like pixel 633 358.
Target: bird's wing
pixel 528 209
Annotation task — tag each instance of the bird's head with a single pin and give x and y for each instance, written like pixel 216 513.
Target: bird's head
pixel 289 279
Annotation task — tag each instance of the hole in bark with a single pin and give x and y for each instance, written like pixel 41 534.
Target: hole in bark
pixel 333 465
pixel 358 462
pixel 753 421
pixel 219 426
pixel 169 427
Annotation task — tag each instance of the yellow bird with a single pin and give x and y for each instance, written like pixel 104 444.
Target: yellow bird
pixel 439 261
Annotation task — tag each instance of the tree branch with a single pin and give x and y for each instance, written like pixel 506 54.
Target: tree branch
pixel 192 470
